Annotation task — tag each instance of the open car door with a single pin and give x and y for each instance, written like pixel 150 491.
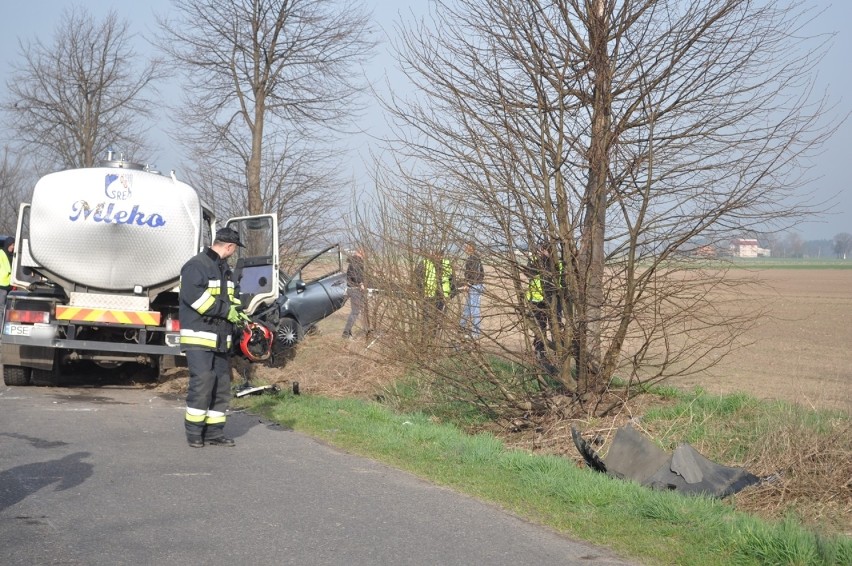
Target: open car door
pixel 317 288
pixel 256 265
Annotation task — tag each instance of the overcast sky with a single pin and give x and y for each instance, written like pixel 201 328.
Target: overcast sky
pixel 38 19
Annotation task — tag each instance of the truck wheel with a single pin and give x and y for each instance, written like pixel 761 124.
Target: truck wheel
pixel 16 375
pixel 45 377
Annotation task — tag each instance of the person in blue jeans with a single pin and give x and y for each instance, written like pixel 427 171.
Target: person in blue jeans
pixel 474 283
pixel 357 291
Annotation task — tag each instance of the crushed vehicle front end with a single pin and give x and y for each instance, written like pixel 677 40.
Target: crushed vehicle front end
pixel 314 291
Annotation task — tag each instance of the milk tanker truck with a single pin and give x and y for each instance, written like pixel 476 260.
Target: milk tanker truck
pixel 97 267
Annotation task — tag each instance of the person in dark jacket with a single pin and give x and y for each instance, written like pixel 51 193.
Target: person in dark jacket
pixel 209 311
pixel 474 284
pixel 357 291
pixel 9 247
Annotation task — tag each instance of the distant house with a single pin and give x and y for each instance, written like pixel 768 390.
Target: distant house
pixel 748 248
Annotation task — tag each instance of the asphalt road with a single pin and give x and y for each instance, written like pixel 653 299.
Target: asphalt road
pixel 104 476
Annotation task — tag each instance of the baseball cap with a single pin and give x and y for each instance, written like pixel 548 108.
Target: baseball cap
pixel 229 236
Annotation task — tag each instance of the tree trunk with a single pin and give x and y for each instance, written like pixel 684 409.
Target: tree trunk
pixel 594 222
pixel 255 200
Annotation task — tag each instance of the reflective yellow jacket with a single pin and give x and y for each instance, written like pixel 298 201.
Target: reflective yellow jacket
pixel 5 271
pixel 430 287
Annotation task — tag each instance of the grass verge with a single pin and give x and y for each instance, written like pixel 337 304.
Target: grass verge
pixel 654 527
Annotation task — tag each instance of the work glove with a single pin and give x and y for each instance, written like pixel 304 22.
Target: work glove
pixel 244 317
pixel 234 315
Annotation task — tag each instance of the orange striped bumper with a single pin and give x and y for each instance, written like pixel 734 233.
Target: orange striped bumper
pixel 108 316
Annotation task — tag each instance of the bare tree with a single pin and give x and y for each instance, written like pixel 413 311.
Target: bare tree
pixel 614 135
pixel 794 245
pixel 13 190
pixel 270 83
pixel 74 98
pixel 842 245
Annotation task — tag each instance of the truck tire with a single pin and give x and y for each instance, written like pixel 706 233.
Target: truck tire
pixel 45 377
pixel 16 375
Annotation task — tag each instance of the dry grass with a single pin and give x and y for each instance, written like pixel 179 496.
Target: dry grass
pixel 808 474
pixel 326 364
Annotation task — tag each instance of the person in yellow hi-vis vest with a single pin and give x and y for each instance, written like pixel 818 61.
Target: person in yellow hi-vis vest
pixel 536 296
pixel 437 284
pixel 6 269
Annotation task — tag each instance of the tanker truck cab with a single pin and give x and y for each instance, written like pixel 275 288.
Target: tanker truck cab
pixel 96 270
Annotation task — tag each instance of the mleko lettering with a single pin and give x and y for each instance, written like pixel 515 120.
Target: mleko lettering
pixel 108 214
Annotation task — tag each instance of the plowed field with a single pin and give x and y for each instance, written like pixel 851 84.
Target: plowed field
pixel 801 350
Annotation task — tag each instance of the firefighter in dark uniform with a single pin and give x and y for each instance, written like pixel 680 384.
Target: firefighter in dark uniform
pixel 209 309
